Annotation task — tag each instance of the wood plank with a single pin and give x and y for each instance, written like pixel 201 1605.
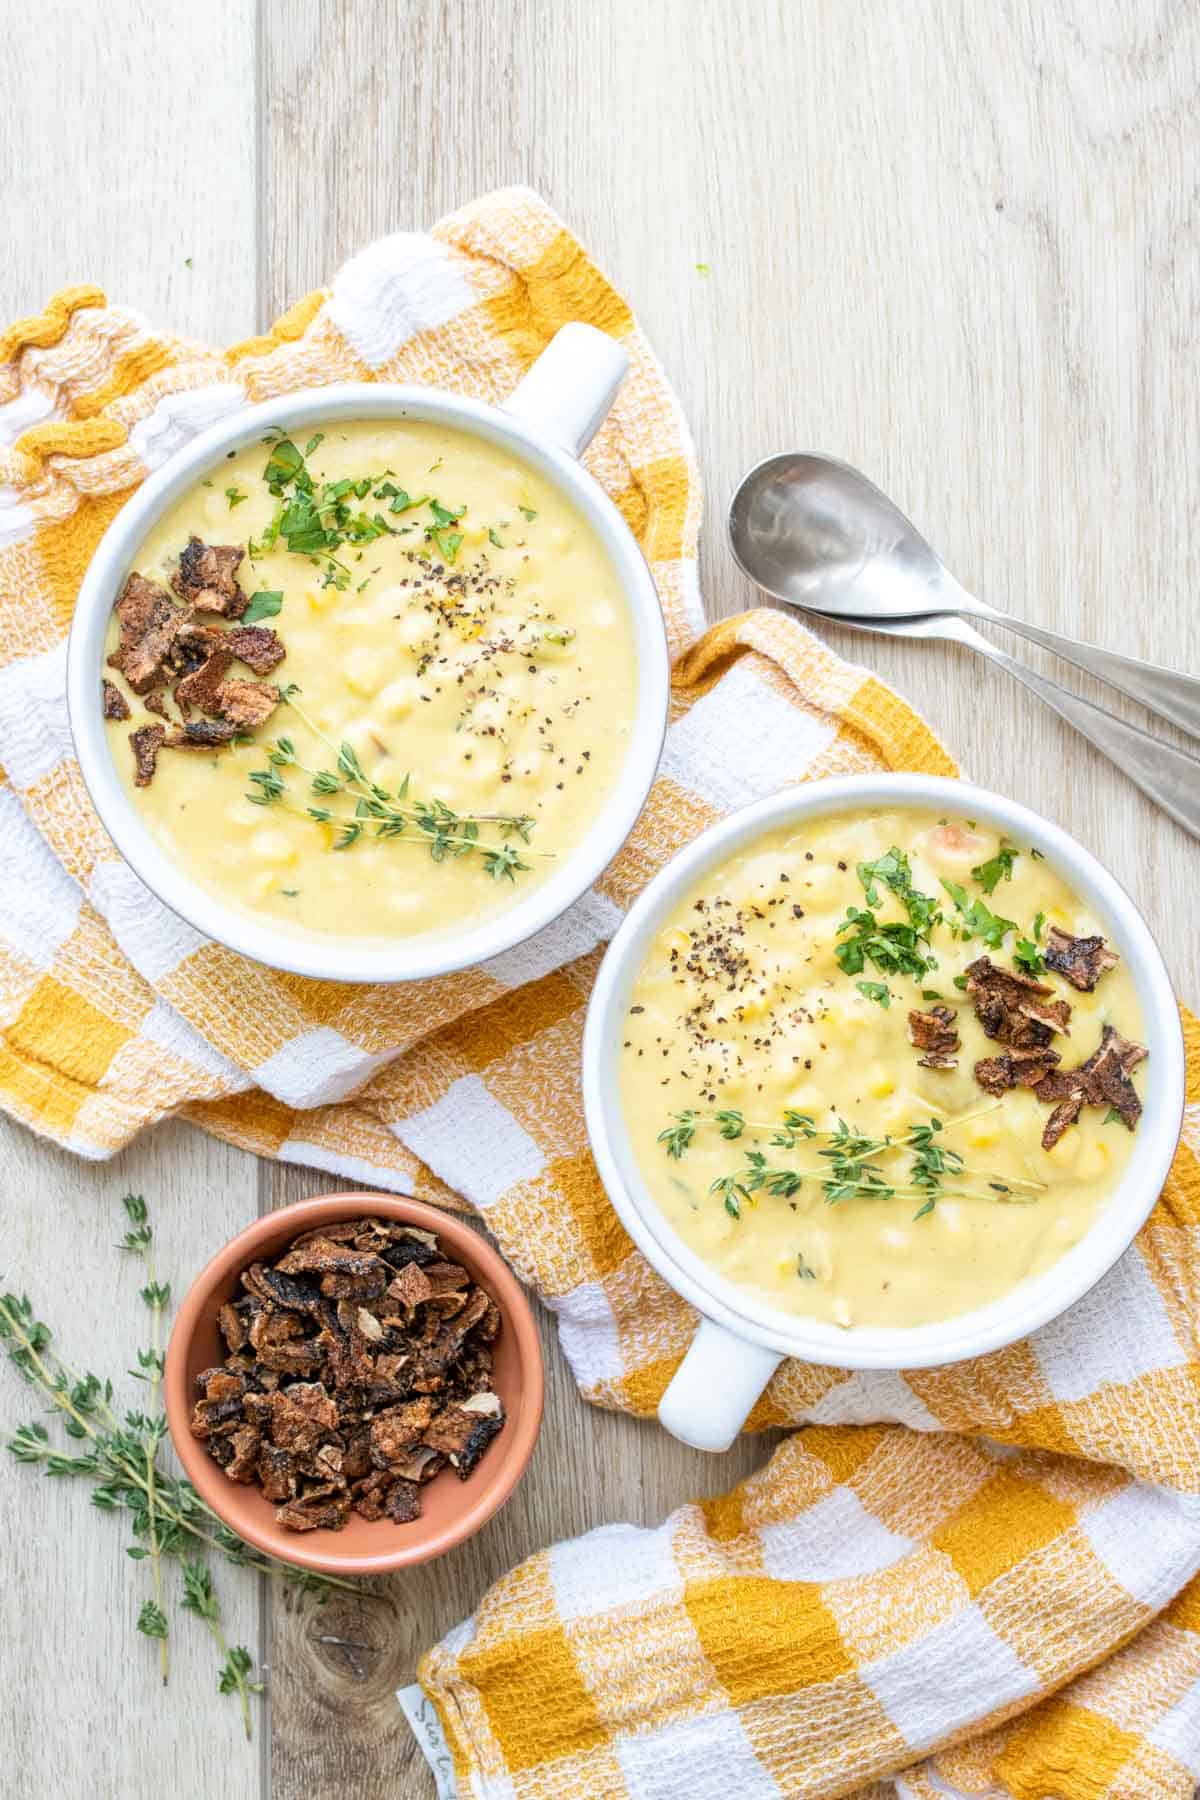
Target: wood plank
pixel 73 1632
pixel 106 185
pixel 949 244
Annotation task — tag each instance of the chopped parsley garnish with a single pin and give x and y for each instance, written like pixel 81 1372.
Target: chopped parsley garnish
pixel 235 497
pixel 892 869
pixel 976 919
pixel 892 947
pixel 998 868
pixel 316 519
pixel 263 605
pixel 877 991
pixel 1028 957
pixel 529 513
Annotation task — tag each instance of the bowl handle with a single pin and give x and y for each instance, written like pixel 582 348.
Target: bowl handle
pixel 568 390
pixel 715 1387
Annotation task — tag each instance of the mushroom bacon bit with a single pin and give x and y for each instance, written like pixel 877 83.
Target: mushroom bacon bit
pixel 246 704
pixel 359 1366
pixel 1103 1080
pixel 150 622
pixel 202 734
pixel 935 1033
pixel 207 578
pixel 162 643
pixel 147 741
pixel 201 687
pixel 115 704
pixel 1082 960
pixel 1015 1009
pixel 257 646
pixel 1015 1068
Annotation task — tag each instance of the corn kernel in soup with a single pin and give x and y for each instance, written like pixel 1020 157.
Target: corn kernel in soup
pixel 881 1067
pixel 458 669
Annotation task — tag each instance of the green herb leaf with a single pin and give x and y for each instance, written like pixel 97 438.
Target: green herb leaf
pixel 877 991
pixel 448 542
pixel 977 919
pixel 235 497
pixel 284 464
pixel 152 1621
pixel 894 948
pixel 678 1136
pixel 997 869
pixel 263 605
pixel 892 869
pixel 1027 956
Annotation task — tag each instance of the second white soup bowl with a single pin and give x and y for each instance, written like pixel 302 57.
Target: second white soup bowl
pixel 740 1340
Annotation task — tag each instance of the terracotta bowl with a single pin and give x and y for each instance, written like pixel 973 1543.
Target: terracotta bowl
pixel 451 1509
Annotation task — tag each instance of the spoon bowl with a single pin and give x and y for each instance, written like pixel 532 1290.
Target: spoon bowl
pixel 815 533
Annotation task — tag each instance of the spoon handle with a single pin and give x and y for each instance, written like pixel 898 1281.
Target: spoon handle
pixel 1169 777
pixel 1166 692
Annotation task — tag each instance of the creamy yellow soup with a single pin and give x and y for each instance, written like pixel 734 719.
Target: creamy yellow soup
pixel 475 653
pixel 780 1113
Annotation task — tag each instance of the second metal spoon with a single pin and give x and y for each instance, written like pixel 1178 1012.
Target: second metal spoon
pixel 815 532
pixel 1169 777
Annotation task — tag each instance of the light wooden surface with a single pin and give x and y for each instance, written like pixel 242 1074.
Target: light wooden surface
pixel 952 243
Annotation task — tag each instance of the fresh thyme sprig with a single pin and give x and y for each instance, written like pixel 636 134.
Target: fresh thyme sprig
pixel 139 1241
pixel 199 1597
pixel 381 813
pixel 118 1455
pixel 850 1166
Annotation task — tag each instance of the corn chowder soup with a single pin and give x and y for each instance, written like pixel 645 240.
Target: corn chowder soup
pixel 370 682
pixel 879 1068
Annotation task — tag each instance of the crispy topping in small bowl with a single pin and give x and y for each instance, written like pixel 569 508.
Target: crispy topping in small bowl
pixel 359 1367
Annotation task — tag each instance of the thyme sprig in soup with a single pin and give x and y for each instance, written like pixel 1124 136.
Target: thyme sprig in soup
pixel 371 681
pixel 880 1068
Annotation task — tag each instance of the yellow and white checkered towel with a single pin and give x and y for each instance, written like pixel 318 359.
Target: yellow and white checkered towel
pixel 980 1579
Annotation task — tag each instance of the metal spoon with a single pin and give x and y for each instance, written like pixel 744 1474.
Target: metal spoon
pixel 1169 777
pixel 815 532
